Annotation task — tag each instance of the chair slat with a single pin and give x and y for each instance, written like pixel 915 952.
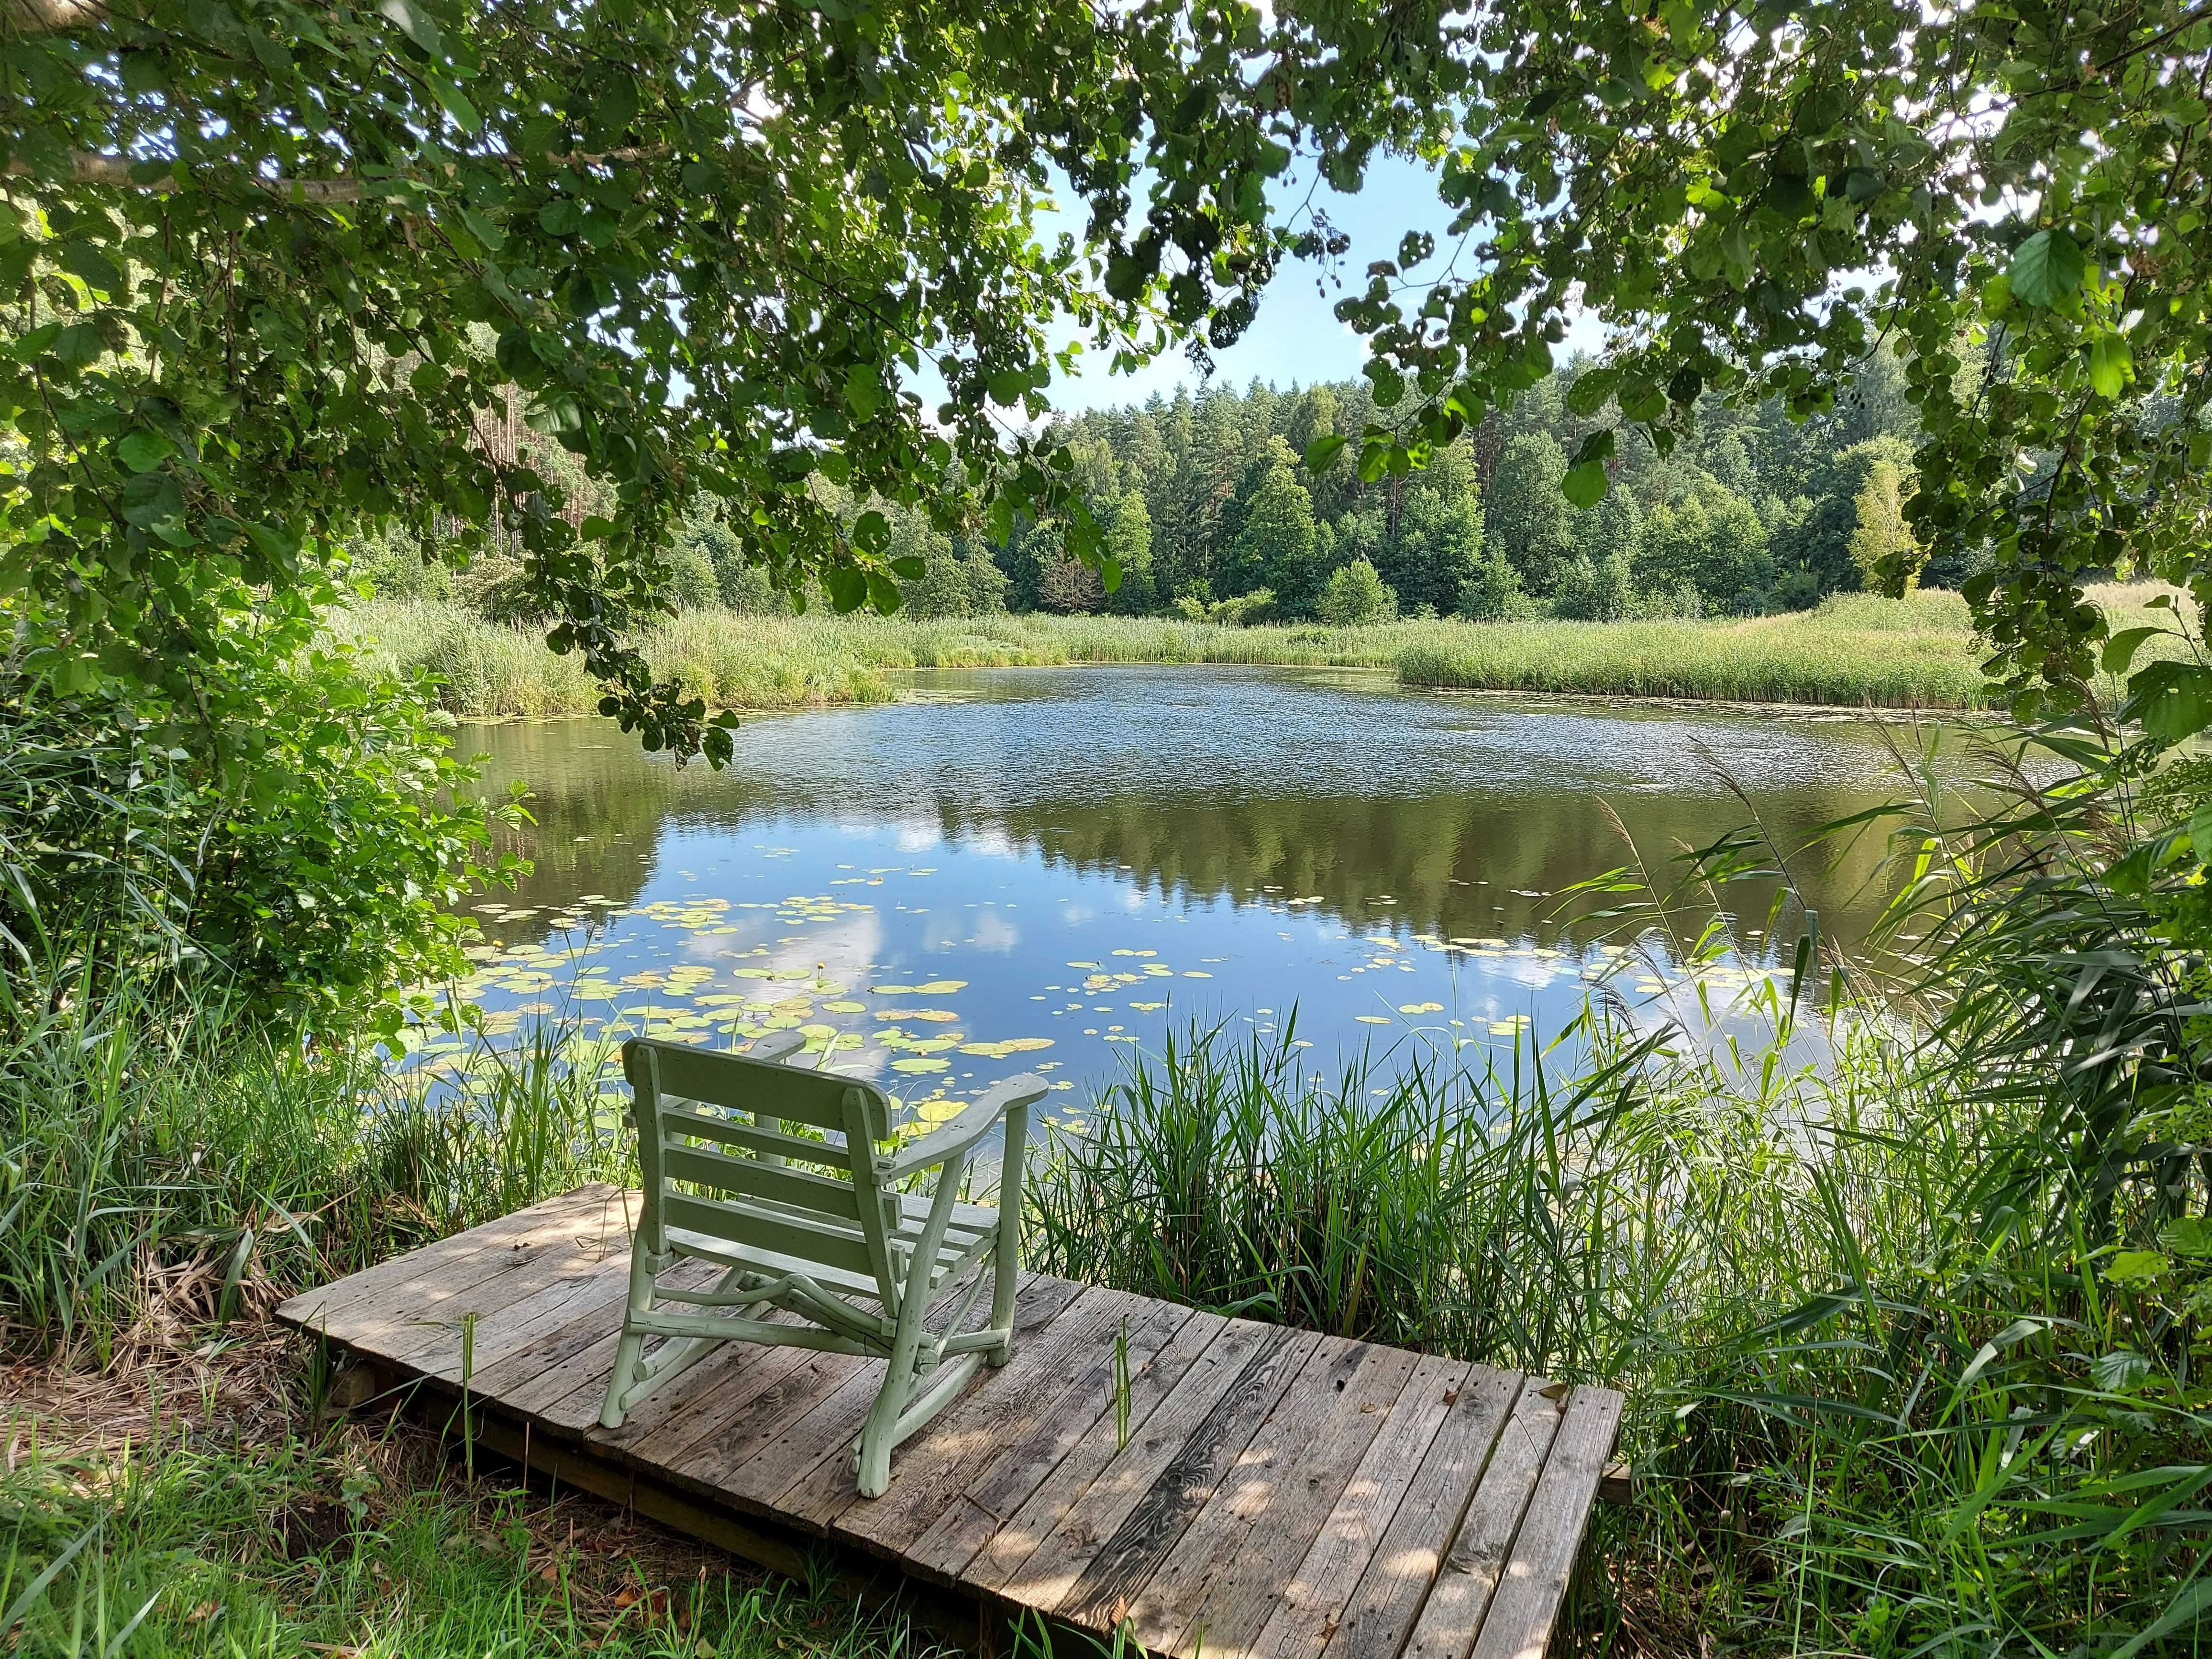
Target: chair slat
pixel 764 1088
pixel 780 1230
pixel 686 1119
pixel 805 1192
pixel 772 1263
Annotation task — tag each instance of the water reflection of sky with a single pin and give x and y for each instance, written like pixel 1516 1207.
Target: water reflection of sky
pixel 1029 871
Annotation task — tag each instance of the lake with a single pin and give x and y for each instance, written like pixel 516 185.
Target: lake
pixel 1038 869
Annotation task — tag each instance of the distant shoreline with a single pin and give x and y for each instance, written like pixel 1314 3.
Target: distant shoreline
pixel 1854 654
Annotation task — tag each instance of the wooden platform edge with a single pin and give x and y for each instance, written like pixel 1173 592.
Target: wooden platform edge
pixel 981 1623
pixel 972 1615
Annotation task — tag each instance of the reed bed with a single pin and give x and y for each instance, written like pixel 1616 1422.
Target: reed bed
pixel 1855 650
pixel 165 1163
pixel 1915 653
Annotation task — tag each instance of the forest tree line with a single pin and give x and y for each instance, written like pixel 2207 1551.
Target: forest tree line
pixel 1211 512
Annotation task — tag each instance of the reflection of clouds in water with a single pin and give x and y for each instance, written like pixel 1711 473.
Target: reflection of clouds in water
pixel 1536 973
pixel 994 932
pixel 914 837
pixel 989 843
pixel 846 950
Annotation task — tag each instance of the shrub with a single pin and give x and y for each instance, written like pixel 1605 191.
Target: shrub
pixel 1355 594
pixel 294 824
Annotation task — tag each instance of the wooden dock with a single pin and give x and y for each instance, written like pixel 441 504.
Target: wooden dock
pixel 1266 1493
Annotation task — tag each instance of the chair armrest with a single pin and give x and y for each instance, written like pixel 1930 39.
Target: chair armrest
pixel 948 1140
pixel 775 1045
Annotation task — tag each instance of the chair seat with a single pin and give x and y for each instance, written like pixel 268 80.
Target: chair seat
pixel 973 1229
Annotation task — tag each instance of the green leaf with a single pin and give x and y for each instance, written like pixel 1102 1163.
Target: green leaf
pixel 90 266
pixel 456 104
pixel 871 531
pixel 2172 700
pixel 849 588
pixel 2118 1371
pixel 484 229
pixel 141 452
pixel 1585 484
pixel 416 23
pixel 1321 454
pixel 77 345
pixel 883 593
pixel 2112 364
pixel 911 568
pixel 2190 1236
pixel 152 499
pixel 2200 833
pixel 2046 268
pixel 2121 648
pixel 1590 390
pixel 864 392
pixel 2136 1268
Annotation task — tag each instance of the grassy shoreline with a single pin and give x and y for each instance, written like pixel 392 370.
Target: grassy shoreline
pixel 1855 651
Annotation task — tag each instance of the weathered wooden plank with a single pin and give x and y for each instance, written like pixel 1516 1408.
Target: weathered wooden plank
pixel 1452 1616
pixel 1380 1613
pixel 539 1293
pixel 519 1371
pixel 1042 1514
pixel 367 1308
pixel 725 1458
pixel 1081 1411
pixel 756 1454
pixel 1219 1589
pixel 1311 1606
pixel 824 1490
pixel 1527 1602
pixel 1002 1409
pixel 1161 1511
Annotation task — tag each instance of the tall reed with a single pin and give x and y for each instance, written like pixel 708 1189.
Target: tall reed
pixel 165 1161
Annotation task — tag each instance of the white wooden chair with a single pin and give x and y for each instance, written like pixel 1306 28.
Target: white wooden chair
pixel 841 1245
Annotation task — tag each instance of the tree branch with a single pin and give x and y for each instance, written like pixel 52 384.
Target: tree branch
pixel 114 172
pixel 50 16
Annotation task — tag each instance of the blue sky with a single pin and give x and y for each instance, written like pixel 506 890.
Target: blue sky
pixel 1296 338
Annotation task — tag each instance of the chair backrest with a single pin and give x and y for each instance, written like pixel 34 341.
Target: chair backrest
pixel 740 1178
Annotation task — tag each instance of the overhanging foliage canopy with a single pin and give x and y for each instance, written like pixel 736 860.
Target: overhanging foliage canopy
pixel 271 267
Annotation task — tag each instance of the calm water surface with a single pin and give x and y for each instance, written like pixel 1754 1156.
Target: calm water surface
pixel 1031 869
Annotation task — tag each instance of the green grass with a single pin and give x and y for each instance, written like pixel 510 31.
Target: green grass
pixel 367 1540
pixel 139 1127
pixel 1855 650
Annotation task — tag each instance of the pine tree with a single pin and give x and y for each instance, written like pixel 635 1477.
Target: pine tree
pixel 1275 548
pixel 1527 514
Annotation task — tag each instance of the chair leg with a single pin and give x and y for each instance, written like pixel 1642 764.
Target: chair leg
pixel 627 1352
pixel 1007 1260
pixel 879 1435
